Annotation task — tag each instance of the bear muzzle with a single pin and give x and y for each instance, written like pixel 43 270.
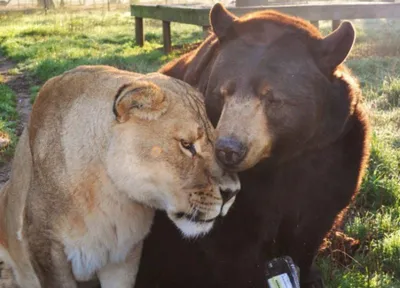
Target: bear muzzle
pixel 229 152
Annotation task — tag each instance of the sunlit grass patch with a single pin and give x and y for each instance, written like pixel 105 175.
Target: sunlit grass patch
pixel 47 46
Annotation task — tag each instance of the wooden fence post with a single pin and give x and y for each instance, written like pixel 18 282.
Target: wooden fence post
pixel 206 31
pixel 139 31
pixel 315 23
pixel 166 27
pixel 335 24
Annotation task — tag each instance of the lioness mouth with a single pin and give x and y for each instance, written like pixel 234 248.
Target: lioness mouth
pixel 194 217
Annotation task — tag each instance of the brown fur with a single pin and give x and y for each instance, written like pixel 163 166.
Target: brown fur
pixel 273 84
pixel 102 150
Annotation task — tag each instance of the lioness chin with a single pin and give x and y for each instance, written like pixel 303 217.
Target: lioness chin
pixel 102 150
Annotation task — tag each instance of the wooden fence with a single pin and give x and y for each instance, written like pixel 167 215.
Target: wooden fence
pixel 334 12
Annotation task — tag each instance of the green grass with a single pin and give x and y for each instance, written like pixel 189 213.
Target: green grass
pixel 45 46
pixel 48 46
pixel 375 214
pixel 8 122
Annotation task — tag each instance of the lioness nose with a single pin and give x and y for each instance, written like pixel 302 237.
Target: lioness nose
pixel 227 195
pixel 229 151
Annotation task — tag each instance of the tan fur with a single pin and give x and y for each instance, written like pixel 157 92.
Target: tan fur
pixel 102 150
pixel 252 128
pixel 3 227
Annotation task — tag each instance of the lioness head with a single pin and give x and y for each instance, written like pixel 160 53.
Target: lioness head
pixel 161 153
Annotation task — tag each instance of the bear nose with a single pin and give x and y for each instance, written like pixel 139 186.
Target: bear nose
pixel 227 195
pixel 229 151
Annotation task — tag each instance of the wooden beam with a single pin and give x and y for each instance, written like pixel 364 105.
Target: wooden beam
pixel 180 14
pixel 248 3
pixel 199 15
pixel 166 28
pixel 242 3
pixel 139 35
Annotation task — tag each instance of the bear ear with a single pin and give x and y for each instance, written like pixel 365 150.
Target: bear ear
pixel 221 20
pixel 334 48
pixel 141 99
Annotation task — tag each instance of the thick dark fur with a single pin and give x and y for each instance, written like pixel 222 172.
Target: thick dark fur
pixel 288 203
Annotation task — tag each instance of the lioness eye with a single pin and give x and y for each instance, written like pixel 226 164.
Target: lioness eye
pixel 188 146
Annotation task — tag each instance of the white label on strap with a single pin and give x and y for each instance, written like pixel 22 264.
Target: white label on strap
pixel 280 281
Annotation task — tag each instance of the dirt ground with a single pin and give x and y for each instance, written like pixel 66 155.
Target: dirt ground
pixel 20 84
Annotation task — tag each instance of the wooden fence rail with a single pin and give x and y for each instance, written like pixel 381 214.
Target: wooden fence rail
pixel 312 12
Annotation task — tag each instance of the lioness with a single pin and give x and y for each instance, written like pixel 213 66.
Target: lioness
pixel 102 150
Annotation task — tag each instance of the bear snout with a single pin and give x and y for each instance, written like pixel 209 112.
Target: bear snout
pixel 229 151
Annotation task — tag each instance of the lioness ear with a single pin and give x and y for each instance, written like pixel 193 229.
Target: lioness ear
pixel 221 19
pixel 334 48
pixel 141 99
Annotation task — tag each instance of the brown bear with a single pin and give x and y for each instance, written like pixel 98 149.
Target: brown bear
pixel 289 118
